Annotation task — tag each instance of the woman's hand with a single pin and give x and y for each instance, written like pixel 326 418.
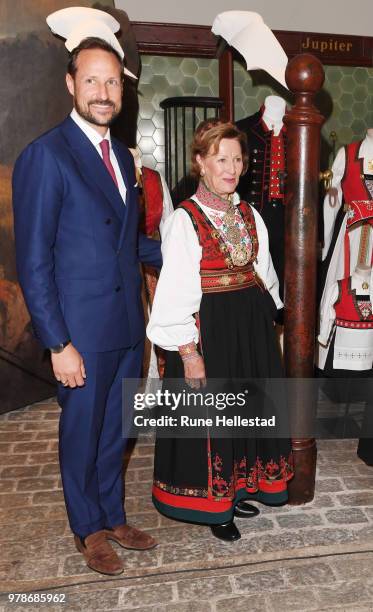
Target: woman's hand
pixel 194 371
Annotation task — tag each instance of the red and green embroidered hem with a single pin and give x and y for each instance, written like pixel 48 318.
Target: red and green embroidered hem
pixel 215 510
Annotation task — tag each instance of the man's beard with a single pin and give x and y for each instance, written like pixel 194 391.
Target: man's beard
pixel 88 116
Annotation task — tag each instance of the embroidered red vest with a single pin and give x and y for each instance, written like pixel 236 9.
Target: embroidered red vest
pixel 358 201
pixel 151 202
pixel 215 253
pixel 151 209
pixel 349 310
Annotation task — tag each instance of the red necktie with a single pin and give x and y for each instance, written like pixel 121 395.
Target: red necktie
pixel 105 148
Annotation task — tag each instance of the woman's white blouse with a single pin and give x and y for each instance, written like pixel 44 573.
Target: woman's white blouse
pixel 178 294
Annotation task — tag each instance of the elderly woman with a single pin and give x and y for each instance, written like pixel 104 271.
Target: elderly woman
pixel 213 312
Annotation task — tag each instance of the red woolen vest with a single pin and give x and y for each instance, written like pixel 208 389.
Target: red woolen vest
pixel 215 254
pixel 218 273
pixel 358 201
pixel 152 202
pixel 349 310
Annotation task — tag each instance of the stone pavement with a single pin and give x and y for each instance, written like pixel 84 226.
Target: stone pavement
pixel 313 557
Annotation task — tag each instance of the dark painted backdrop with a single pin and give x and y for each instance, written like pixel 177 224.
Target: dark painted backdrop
pixel 34 99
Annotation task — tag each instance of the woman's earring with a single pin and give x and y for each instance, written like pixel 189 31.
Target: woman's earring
pixel 202 173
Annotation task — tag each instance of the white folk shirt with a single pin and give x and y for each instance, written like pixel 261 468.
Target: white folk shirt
pixel 333 202
pixel 353 348
pixel 95 139
pixel 179 293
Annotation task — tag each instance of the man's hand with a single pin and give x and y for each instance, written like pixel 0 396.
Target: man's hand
pixel 68 367
pixel 194 372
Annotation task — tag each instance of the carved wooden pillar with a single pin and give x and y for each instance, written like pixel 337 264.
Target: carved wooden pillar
pixel 226 84
pixel 304 77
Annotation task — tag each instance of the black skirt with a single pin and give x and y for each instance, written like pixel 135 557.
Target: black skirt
pixel 201 480
pixel 348 386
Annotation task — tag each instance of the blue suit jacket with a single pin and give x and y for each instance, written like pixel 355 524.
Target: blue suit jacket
pixel 78 246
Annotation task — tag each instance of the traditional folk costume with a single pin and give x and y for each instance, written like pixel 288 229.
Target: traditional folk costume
pixel 219 289
pixel 263 185
pixel 155 206
pixel 348 236
pixel 347 325
pixel 346 334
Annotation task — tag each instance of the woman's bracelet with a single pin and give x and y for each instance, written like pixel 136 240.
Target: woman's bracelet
pixel 188 351
pixel 191 356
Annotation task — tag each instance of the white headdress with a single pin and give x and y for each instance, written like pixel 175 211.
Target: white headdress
pixel 77 23
pixel 247 32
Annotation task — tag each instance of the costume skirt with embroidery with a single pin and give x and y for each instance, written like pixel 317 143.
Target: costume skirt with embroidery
pixel 201 480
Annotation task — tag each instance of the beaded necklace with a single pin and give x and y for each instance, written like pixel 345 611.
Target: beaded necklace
pixel 229 222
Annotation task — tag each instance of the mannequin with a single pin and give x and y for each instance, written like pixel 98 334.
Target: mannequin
pixel 263 184
pixel 348 237
pixel 334 197
pixel 155 207
pixel 348 307
pixel 274 111
pixel 346 333
pixel 348 254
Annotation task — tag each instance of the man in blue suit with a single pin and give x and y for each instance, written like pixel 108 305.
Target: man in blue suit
pixel 78 252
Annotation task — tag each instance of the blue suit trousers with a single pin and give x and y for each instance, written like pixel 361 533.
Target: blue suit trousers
pixel 93 434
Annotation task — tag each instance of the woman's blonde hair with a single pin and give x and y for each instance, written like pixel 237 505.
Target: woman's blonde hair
pixel 208 134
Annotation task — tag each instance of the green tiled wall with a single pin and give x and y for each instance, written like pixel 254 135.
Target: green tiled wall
pixel 346 99
pixel 164 77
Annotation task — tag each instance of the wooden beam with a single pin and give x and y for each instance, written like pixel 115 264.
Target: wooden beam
pixel 226 84
pixel 186 40
pixel 304 77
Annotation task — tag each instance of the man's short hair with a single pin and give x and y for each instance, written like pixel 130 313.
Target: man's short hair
pixel 91 42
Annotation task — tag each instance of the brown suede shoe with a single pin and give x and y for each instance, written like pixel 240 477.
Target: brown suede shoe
pixel 130 537
pixel 99 555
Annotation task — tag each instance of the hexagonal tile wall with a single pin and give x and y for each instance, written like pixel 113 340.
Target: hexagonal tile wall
pixel 346 99
pixel 164 77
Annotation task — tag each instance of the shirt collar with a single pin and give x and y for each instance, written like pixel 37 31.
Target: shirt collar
pixel 236 200
pixel 88 130
pixel 265 127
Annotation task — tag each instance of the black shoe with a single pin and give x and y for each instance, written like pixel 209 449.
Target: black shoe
pixel 245 510
pixel 227 532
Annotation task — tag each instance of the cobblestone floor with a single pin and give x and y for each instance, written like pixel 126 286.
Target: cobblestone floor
pixel 314 557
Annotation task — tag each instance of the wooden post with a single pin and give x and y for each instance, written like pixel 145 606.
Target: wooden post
pixel 304 77
pixel 226 84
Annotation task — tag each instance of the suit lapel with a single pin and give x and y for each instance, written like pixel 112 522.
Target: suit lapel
pixel 125 174
pixel 91 165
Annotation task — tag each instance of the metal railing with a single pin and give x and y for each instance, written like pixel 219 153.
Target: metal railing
pixel 181 117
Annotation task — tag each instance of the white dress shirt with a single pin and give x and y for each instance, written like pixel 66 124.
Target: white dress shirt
pixel 179 293
pixel 95 139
